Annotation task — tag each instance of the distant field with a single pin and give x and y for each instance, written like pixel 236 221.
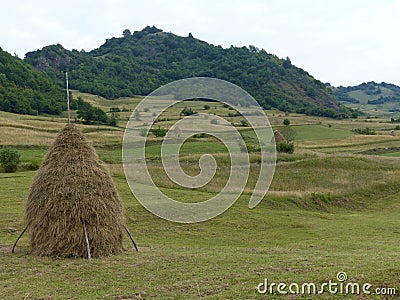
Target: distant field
pixel 318 132
pixel 392 154
pixel 363 97
pixel 329 209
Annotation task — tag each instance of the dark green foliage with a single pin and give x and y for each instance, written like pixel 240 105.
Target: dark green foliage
pixel 285 147
pixel 187 111
pixel 382 100
pixel 159 131
pixel 33 165
pixel 140 62
pixel 9 160
pixel 366 131
pixel 286 122
pixel 393 120
pixel 206 107
pixel 90 114
pixel 112 121
pixel 24 90
pixel 244 123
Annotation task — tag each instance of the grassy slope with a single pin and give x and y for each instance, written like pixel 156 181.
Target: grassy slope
pixel 349 224
pixel 363 97
pixel 381 110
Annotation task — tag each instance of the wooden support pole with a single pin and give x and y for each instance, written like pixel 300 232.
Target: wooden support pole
pixel 69 111
pixel 87 242
pixel 16 242
pixel 133 242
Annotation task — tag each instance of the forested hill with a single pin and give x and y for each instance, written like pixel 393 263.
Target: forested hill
pixel 140 62
pixel 369 93
pixel 24 90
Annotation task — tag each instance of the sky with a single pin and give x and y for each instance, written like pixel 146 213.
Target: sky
pixel 343 42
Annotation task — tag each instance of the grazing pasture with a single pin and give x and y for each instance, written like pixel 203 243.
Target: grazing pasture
pixel 330 209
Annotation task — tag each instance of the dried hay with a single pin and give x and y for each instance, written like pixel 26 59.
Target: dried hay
pixel 73 188
pixel 278 137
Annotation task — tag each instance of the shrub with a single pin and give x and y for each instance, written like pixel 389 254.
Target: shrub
pixel 214 121
pixel 143 132
pixel 187 111
pixel 33 165
pixel 206 107
pixel 9 160
pixel 112 121
pixel 286 122
pixel 285 147
pixel 159 131
pixel 365 131
pixel 244 123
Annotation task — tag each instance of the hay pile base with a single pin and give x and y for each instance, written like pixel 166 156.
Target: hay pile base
pixel 73 188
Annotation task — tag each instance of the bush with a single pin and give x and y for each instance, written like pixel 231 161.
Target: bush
pixel 285 147
pixel 33 165
pixel 143 132
pixel 365 131
pixel 244 123
pixel 112 121
pixel 159 131
pixel 9 160
pixel 187 111
pixel 214 121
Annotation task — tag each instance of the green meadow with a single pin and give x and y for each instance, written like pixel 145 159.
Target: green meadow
pixel 330 208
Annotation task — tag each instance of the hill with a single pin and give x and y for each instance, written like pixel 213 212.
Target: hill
pixel 138 63
pixel 371 97
pixel 24 90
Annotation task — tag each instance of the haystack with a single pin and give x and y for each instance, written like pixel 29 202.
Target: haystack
pixel 73 203
pixel 278 137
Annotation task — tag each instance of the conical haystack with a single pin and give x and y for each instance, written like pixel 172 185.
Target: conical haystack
pixel 278 137
pixel 72 191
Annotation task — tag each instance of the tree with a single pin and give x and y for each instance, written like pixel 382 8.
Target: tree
pixel 187 111
pixel 88 113
pixel 126 33
pixel 289 133
pixel 9 160
pixel 286 122
pixel 287 63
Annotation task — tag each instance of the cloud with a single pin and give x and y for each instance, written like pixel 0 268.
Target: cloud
pixel 343 42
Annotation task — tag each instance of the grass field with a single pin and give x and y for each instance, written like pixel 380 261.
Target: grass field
pixel 330 209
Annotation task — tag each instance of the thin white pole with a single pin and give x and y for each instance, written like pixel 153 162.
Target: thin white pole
pixel 69 111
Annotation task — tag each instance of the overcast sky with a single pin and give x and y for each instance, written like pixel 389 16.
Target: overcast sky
pixel 344 42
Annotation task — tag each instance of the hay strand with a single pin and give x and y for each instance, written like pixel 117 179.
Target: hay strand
pixel 73 186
